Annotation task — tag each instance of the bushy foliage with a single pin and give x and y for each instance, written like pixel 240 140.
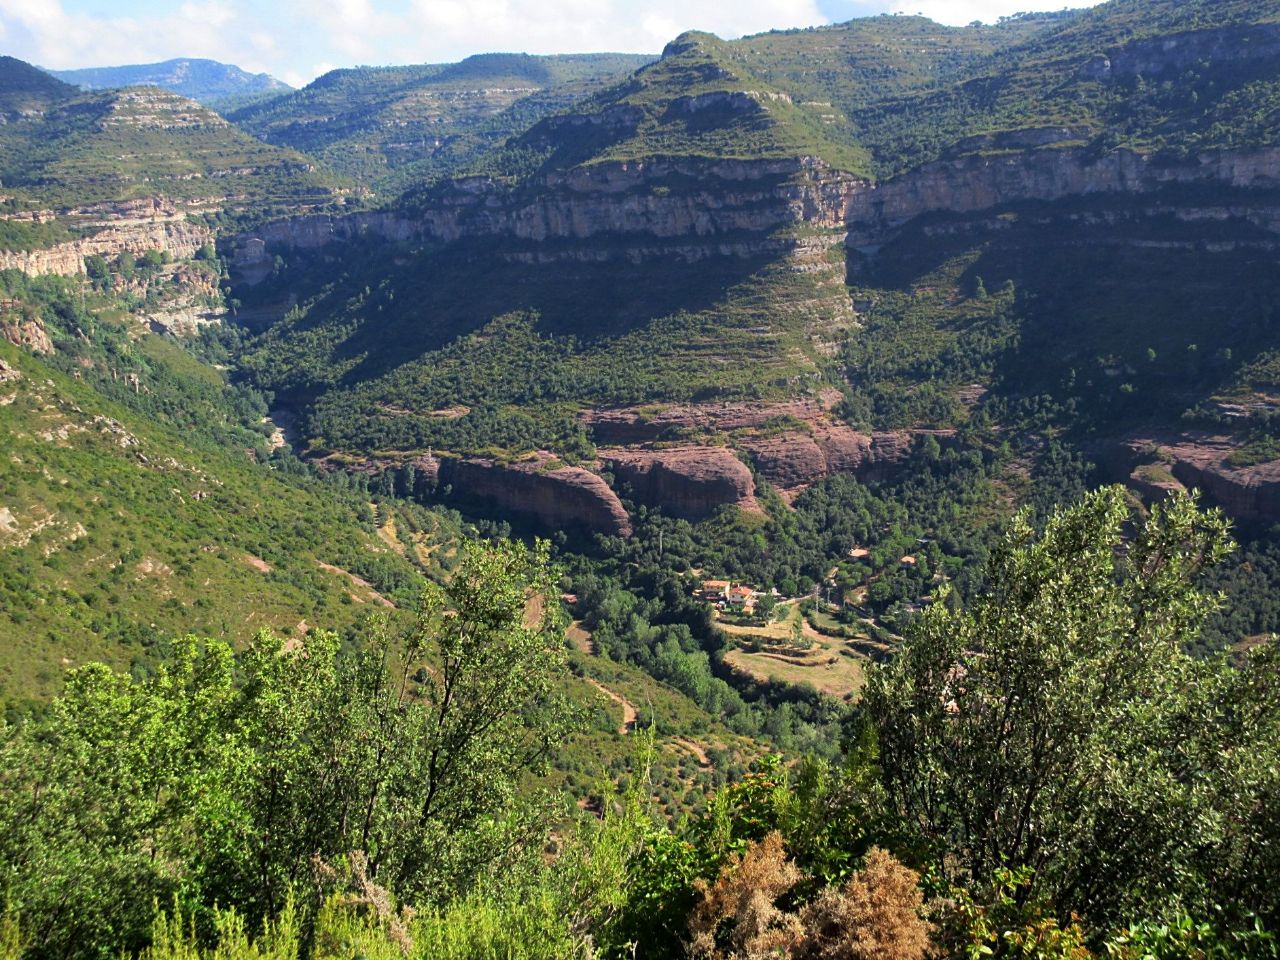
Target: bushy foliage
pixel 402 761
pixel 1057 724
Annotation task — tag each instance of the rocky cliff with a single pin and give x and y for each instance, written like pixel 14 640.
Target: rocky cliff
pixel 979 182
pixel 155 223
pixel 696 208
pixel 691 482
pixel 556 496
pixel 692 208
pixel 24 331
pixel 795 460
pixel 1155 465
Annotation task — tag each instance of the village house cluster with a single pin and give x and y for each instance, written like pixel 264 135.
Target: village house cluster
pixel 726 595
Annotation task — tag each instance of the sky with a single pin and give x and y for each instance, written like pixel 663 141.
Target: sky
pixel 297 40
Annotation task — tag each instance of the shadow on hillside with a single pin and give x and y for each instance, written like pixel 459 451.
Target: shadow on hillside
pixel 1140 319
pixel 384 308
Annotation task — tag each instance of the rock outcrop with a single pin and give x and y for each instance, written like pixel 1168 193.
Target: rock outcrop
pixel 796 460
pixel 1154 465
pixel 137 226
pixel 979 182
pixel 688 208
pixel 633 425
pixel 691 482
pixel 26 332
pixel 694 208
pixel 554 495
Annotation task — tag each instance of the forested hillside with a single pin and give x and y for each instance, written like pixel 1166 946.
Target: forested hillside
pixel 814 496
pixel 389 127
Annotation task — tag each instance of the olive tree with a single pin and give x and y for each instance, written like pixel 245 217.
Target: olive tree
pixel 1056 724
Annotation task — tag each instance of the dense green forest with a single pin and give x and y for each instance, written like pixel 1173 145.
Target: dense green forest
pixel 926 380
pixel 1040 773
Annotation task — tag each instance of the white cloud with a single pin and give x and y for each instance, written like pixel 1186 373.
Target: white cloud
pixel 962 12
pixel 447 29
pixel 46 33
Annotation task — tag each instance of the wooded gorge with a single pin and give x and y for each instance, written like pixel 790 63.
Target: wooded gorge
pixel 811 495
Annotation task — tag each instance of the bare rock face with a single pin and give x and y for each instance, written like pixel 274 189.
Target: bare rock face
pixel 556 496
pixel 690 208
pixel 1157 465
pixel 793 461
pixel 980 182
pixel 690 482
pixel 26 332
pixel 135 226
pixel 628 425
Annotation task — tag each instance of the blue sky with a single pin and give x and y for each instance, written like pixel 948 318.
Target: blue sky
pixel 297 40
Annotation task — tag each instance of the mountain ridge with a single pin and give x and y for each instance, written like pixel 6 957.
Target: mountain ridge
pixel 206 81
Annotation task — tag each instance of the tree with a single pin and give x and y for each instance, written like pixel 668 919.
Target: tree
pixel 1056 723
pixel 97 269
pixel 405 756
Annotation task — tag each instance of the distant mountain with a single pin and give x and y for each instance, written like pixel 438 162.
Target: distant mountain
pixel 65 148
pixel 206 81
pixel 388 127
pixel 25 89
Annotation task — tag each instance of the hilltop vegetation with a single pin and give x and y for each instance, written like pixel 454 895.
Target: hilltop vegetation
pixel 389 127
pixel 24 89
pixel 134 506
pixel 65 148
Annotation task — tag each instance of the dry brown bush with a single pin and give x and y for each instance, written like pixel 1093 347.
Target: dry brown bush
pixel 876 916
pixel 745 896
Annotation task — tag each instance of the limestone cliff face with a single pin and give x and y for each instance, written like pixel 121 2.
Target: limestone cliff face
pixel 973 183
pixel 555 496
pixel 695 208
pixel 690 208
pixel 1159 57
pixel 690 482
pixel 136 227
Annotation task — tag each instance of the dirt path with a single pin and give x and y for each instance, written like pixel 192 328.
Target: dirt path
pixel 534 606
pixel 581 637
pixel 628 711
pixel 697 749
pixel 358 581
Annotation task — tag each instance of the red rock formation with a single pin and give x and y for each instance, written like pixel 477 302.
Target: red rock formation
pixel 628 425
pixel 685 481
pixel 793 461
pixel 556 496
pixel 1200 461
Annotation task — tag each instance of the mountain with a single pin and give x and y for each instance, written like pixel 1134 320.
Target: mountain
pixel 810 269
pixel 205 81
pixel 134 169
pixel 387 127
pixel 26 90
pixel 141 500
pixel 142 141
